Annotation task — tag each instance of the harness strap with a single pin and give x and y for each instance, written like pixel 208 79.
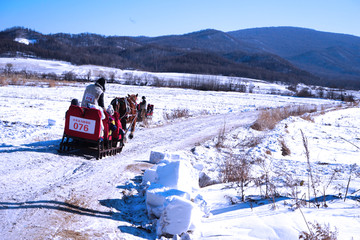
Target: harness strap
pixel 128 111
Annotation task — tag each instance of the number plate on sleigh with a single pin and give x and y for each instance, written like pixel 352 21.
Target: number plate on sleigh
pixel 82 125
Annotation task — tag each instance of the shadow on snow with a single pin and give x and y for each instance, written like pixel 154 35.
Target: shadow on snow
pixel 51 146
pixel 131 208
pixel 56 205
pixel 251 202
pixel 43 147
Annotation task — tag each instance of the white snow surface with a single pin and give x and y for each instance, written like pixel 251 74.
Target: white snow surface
pixel 25 41
pixel 47 195
pixel 43 66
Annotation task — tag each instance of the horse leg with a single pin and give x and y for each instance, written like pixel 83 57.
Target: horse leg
pixel 132 128
pixel 131 135
pixel 123 125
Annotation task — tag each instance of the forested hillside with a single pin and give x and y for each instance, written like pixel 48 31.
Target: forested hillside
pixel 272 54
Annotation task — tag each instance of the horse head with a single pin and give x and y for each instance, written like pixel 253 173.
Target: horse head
pixel 116 103
pixel 132 98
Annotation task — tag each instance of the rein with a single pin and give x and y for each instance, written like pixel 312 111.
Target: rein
pixel 131 124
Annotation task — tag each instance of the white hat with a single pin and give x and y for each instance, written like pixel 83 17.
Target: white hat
pixel 110 110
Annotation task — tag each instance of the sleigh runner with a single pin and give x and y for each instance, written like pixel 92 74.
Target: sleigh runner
pixel 87 128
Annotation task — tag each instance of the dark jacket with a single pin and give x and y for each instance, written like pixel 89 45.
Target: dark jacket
pixel 143 104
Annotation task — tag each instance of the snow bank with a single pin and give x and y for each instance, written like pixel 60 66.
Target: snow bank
pixel 172 182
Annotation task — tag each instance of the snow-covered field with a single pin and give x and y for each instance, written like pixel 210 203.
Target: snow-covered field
pixel 45 195
pixel 132 77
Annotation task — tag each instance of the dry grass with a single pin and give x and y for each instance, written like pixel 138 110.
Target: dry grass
pixel 267 119
pixel 307 117
pixel 71 234
pixel 52 83
pixel 318 232
pixel 18 80
pixel 176 113
pixel 3 81
pixel 285 151
pixel 76 201
pixel 12 80
pixel 221 137
pixel 268 152
pixel 251 141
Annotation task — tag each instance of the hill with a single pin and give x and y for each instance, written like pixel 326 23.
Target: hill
pixel 284 54
pixel 330 55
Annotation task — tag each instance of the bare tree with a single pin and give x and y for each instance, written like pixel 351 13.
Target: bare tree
pixel 112 76
pixel 237 170
pixel 88 75
pixel 69 76
pixel 8 69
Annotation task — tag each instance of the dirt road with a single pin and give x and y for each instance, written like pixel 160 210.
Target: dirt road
pixel 52 196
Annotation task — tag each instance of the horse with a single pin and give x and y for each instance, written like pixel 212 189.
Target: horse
pixel 126 107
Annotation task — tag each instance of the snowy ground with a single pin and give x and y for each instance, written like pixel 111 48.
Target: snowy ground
pixel 45 195
pixel 59 68
pixel 333 141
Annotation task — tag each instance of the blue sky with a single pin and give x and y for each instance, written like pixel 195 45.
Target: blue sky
pixel 166 17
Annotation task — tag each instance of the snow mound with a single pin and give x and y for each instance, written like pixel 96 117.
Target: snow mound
pixel 172 182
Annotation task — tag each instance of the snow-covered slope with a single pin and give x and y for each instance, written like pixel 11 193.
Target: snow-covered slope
pixel 45 195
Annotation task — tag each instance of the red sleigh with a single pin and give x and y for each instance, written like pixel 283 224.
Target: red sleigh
pixel 85 129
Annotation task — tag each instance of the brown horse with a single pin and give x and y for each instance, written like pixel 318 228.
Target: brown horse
pixel 126 107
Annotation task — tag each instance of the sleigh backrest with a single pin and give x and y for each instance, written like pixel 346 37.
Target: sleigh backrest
pixel 83 123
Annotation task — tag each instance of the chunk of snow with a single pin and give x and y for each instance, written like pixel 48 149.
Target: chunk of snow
pixel 179 175
pixel 150 175
pixel 157 157
pixel 178 217
pixel 156 196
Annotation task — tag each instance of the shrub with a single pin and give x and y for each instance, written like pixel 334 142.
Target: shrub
pixel 15 80
pixel 221 137
pixel 318 232
pixel 285 151
pixel 52 83
pixel 176 113
pixel 266 120
pixel 305 92
pixel 3 81
pixel 237 170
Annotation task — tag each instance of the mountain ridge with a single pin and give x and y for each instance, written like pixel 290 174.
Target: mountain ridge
pixel 286 54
